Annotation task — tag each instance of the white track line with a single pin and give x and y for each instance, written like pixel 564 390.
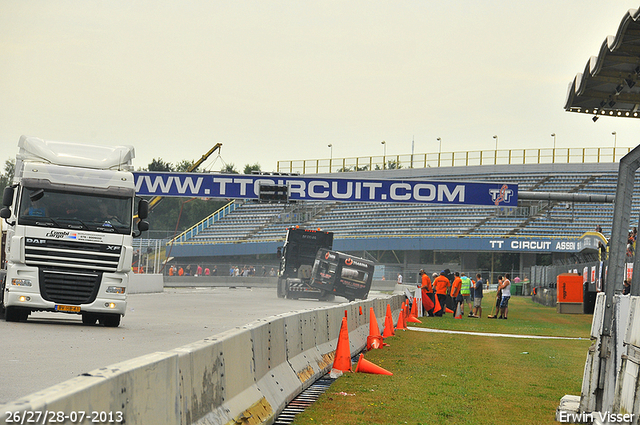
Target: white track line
pixel 442 331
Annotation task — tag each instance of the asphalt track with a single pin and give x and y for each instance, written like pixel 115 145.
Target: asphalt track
pixel 51 347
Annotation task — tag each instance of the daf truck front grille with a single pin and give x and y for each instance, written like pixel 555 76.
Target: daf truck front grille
pixel 69 286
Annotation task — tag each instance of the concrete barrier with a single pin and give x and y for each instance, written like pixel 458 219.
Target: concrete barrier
pixel 245 375
pixel 145 283
pixel 139 391
pixel 223 281
pixel 252 281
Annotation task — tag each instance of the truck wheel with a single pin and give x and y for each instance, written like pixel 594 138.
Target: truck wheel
pixel 110 320
pixel 89 319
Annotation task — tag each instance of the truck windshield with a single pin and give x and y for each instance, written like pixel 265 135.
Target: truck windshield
pixel 78 211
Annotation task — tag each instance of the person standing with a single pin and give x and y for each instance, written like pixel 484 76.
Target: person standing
pixel 506 295
pixel 465 292
pixel 427 294
pixel 498 299
pixel 477 296
pixel 455 293
pixel 399 279
pixel 441 284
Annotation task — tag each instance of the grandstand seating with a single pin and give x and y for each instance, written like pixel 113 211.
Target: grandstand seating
pixel 260 222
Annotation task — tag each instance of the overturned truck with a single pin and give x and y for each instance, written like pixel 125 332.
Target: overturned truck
pixel 310 269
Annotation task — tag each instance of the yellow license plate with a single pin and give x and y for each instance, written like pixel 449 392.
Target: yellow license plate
pixel 69 308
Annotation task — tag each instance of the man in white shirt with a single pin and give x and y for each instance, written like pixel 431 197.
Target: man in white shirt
pixel 505 286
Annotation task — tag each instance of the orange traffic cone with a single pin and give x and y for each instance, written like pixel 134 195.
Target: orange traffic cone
pixel 360 310
pixel 365 366
pixel 401 325
pixel 437 307
pixel 374 340
pixel 458 312
pixel 448 310
pixel 388 324
pixel 413 316
pixel 427 304
pixel 342 360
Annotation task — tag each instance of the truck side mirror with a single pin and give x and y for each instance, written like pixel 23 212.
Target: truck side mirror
pixel 5 212
pixel 143 209
pixel 7 196
pixel 143 225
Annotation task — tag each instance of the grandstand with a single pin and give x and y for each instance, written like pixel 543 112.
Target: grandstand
pixel 251 228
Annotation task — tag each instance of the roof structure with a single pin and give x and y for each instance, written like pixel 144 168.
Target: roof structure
pixel 610 83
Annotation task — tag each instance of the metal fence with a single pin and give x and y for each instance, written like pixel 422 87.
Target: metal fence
pixel 454 159
pixel 546 276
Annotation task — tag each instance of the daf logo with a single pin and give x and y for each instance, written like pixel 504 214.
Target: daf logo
pixel 36 241
pixel 113 247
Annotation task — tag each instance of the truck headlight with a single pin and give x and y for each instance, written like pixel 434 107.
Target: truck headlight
pixel 21 282
pixel 115 289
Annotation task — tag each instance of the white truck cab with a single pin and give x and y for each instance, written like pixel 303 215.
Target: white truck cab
pixel 70 224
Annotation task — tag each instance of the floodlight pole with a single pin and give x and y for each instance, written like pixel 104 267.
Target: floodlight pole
pixel 496 159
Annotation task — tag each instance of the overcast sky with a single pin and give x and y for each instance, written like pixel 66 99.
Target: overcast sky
pixel 281 80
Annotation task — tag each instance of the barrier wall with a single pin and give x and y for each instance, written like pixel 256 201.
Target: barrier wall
pixel 245 375
pixel 253 281
pixel 145 283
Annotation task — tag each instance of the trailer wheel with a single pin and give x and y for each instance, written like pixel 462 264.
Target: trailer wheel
pixel 110 320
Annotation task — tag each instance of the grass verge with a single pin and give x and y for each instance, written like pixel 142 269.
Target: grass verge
pixel 465 379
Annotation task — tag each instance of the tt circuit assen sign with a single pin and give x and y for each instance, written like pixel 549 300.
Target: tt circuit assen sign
pixel 239 186
pixel 589 240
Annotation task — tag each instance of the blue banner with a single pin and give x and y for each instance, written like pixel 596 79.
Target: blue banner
pixel 246 186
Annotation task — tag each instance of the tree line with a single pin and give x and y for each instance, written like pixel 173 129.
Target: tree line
pixel 175 215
